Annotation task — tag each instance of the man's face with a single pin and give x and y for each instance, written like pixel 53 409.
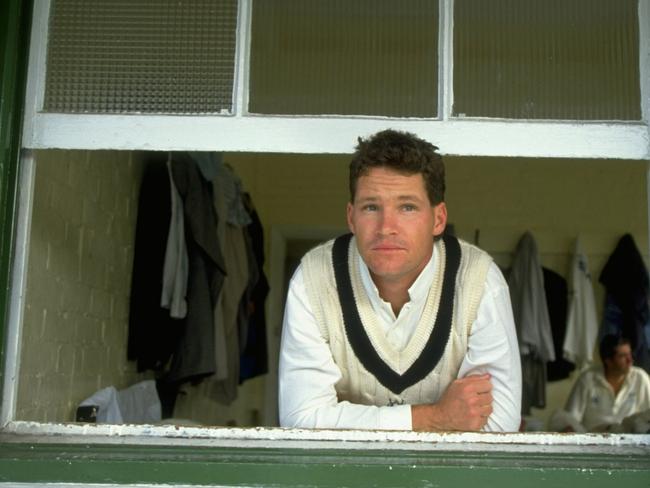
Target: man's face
pixel 621 362
pixel 394 224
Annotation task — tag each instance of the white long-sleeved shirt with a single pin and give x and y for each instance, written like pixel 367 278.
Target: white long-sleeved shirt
pixel 593 404
pixel 308 374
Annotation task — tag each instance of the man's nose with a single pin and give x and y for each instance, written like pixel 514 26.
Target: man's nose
pixel 388 222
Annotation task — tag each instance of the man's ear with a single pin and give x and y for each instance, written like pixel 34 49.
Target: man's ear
pixel 439 218
pixel 350 210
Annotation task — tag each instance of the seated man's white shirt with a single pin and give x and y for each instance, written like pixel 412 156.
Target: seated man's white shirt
pixel 308 373
pixel 593 404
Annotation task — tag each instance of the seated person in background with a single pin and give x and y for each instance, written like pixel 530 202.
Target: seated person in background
pixel 611 398
pixel 397 326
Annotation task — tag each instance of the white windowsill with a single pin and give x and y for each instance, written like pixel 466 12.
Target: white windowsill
pixel 262 437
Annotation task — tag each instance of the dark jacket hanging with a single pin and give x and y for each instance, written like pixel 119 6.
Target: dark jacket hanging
pixel 557 297
pixel 254 357
pixel 153 334
pixel 625 278
pixel 194 357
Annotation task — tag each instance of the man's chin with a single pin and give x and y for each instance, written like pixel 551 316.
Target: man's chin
pixel 381 271
pixel 386 272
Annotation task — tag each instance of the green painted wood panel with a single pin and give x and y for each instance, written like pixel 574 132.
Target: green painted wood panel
pixel 81 463
pixel 15 16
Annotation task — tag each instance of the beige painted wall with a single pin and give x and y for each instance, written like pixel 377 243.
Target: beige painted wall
pixel 75 326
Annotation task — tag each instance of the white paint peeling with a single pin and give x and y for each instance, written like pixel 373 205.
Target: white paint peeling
pixel 322 439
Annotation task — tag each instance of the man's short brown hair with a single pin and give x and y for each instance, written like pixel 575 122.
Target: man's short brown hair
pixel 404 153
pixel 609 344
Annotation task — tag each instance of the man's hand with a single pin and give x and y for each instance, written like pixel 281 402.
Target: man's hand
pixel 465 406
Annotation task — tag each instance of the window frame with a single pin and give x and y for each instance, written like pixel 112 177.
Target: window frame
pixel 329 134
pixel 522 447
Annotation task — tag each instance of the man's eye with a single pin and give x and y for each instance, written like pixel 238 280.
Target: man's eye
pixel 409 208
pixel 370 208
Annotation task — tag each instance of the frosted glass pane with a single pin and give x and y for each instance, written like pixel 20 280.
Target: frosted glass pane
pixel 547 59
pixel 351 57
pixel 141 56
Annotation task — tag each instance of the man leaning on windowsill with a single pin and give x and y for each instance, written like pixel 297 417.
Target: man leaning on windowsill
pixel 398 326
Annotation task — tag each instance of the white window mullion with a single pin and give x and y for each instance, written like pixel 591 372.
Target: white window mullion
pixel 446 60
pixel 242 61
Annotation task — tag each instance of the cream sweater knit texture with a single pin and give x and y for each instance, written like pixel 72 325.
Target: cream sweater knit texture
pixel 358 385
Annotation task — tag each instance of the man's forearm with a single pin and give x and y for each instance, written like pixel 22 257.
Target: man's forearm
pixel 427 418
pixel 345 415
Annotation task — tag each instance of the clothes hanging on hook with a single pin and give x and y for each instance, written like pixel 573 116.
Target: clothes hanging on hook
pixel 530 312
pixel 204 261
pixel 176 265
pixel 528 298
pixel 153 333
pixel 556 290
pixel 627 311
pixel 194 357
pixel 582 322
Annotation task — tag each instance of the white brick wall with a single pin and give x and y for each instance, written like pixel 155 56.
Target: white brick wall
pixel 77 301
pixel 80 258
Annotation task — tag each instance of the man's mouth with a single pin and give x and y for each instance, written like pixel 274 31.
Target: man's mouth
pixel 387 247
